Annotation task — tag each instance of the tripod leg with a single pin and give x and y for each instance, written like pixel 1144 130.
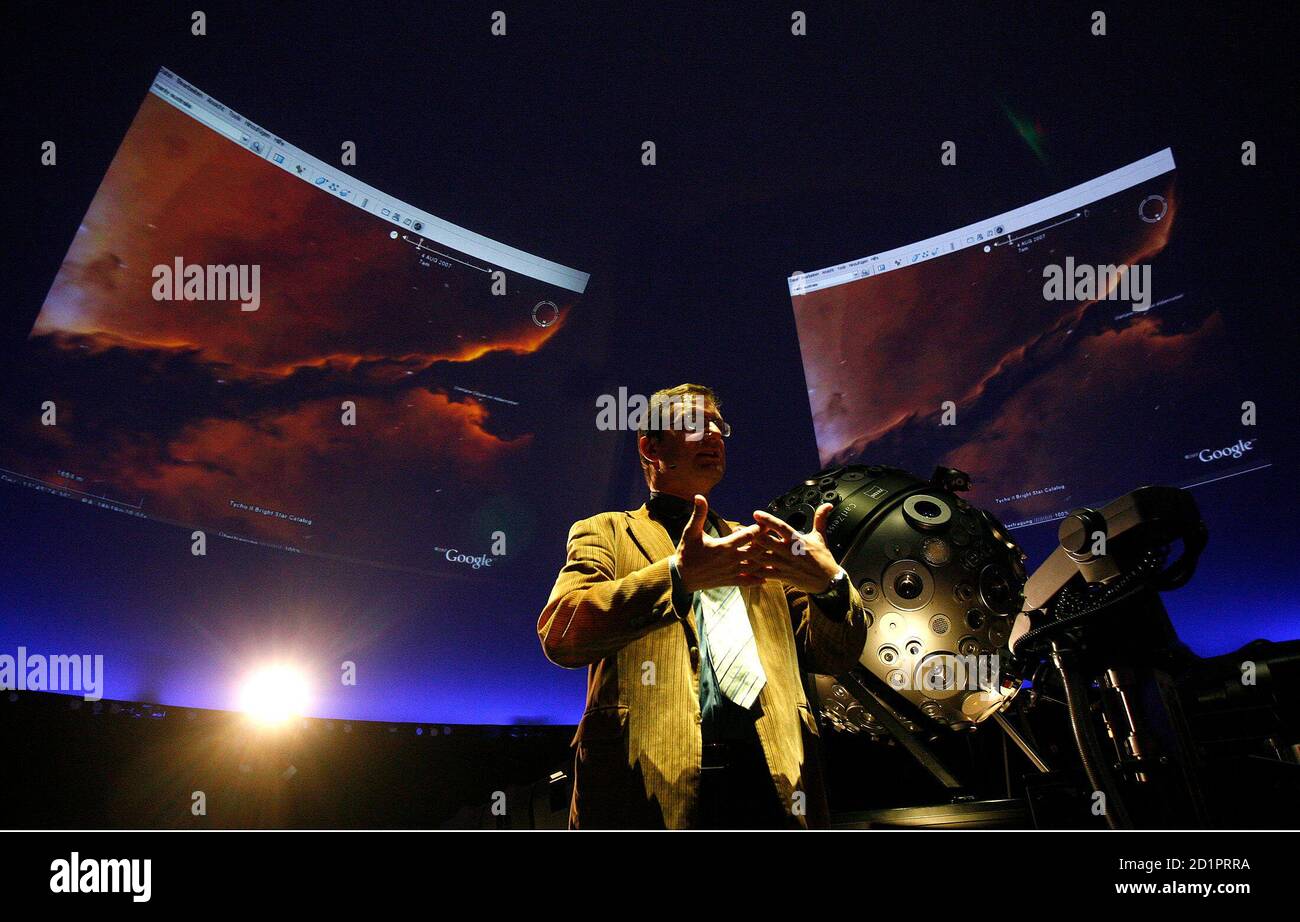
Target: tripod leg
pixel 1021 742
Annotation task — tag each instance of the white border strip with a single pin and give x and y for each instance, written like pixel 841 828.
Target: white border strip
pixel 230 124
pixel 998 228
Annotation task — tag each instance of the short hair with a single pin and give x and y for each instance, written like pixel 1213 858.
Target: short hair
pixel 659 413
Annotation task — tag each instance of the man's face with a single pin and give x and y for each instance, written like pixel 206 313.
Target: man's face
pixel 685 462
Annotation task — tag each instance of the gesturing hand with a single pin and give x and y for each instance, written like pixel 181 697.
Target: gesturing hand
pixel 798 559
pixel 705 562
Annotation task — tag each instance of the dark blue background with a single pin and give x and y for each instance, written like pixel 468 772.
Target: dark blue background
pixel 775 154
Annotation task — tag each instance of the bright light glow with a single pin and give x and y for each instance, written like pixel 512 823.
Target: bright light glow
pixel 274 694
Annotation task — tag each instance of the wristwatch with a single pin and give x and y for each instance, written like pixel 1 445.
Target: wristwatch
pixel 838 593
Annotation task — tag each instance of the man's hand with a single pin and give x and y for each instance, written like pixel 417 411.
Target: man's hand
pixel 705 562
pixel 798 559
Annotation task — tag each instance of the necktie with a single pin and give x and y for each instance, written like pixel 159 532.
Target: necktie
pixel 732 648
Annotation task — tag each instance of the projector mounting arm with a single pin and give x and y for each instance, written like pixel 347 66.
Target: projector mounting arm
pixel 1093 610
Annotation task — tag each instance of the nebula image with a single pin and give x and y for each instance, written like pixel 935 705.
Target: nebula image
pixel 378 395
pixel 962 361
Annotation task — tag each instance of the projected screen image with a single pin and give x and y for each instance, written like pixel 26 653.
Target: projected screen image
pixel 1023 351
pixel 244 340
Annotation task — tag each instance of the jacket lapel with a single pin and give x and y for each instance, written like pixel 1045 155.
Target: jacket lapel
pixel 648 535
pixel 653 541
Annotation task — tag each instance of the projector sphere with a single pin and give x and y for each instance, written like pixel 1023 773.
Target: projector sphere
pixel 941 581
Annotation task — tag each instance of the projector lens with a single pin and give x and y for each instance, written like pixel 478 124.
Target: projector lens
pixel 908 586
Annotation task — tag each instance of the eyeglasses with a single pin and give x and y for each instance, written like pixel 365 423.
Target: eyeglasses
pixel 695 427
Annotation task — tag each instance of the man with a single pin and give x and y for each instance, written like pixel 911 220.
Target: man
pixel 695 632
